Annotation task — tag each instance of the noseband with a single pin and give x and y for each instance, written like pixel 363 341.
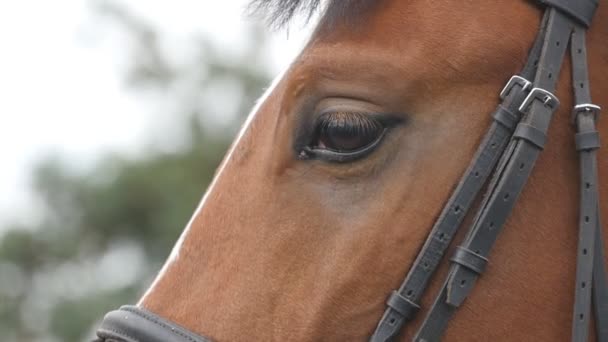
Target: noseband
pixel 134 324
pixel 505 157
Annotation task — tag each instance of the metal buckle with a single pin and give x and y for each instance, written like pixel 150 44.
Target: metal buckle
pixel 546 97
pixel 585 108
pixel 514 80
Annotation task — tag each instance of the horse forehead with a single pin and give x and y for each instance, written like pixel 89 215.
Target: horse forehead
pixel 460 29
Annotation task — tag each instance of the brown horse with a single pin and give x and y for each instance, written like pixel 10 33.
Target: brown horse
pixel 289 248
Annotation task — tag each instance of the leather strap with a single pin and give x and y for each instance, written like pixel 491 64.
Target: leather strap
pixel 135 324
pixel 506 116
pixel 587 140
pixel 581 10
pixel 588 258
pixel 600 285
pixel 587 234
pixel 532 134
pixel 515 168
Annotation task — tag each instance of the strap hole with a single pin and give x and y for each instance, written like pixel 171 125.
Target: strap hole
pixel 579 50
pixel 583 285
pixel 441 236
pixel 477 251
pixel 557 43
pixel 425 266
pixel 392 321
pixel 582 85
pixel 476 173
pixel 521 166
pixel 493 145
pixel 409 293
pixel 550 75
pixel 587 185
pixel 584 251
pixel 506 197
pixel 586 219
pixel 581 316
pixel 457 209
pixel 491 225
pixel 463 282
pixel 536 62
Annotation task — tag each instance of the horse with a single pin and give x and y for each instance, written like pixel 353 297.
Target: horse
pixel 337 176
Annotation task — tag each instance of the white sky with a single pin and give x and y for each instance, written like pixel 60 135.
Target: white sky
pixel 62 83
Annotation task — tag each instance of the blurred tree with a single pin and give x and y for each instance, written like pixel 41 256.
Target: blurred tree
pixel 105 232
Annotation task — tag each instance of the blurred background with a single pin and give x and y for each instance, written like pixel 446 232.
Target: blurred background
pixel 114 116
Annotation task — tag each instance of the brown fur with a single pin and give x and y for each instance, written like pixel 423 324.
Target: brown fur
pixel 291 250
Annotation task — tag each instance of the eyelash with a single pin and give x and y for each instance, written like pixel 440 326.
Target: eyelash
pixel 351 123
pixel 346 127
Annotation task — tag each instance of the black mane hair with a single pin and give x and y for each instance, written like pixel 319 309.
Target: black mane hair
pixel 278 13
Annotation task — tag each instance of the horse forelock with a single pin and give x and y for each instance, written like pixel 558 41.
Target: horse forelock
pixel 279 13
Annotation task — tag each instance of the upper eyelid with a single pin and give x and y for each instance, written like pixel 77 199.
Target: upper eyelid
pixel 325 117
pixel 342 103
pixel 388 119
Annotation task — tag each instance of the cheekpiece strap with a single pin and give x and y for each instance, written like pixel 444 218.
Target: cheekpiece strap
pixel 581 10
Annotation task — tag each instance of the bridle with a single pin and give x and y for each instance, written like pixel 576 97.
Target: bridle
pixel 507 153
pixel 510 149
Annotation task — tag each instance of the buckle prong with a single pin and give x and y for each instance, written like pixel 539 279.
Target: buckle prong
pixel 586 108
pixel 547 98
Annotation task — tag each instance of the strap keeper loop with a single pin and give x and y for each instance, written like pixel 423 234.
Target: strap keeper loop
pixel 402 305
pixel 469 259
pixel 505 117
pixel 531 134
pixel 587 141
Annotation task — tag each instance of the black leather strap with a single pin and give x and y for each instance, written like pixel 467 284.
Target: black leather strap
pixel 403 305
pixel 600 285
pixel 587 140
pixel 587 234
pixel 515 168
pixel 135 324
pixel 532 134
pixel 581 10
pixel 590 262
pixel 506 116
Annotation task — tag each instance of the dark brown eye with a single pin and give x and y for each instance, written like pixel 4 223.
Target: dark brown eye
pixel 343 137
pixel 346 132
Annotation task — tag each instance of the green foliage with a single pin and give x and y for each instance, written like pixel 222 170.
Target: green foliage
pixel 59 276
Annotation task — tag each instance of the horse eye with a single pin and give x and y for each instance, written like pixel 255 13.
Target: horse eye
pixel 344 137
pixel 346 132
